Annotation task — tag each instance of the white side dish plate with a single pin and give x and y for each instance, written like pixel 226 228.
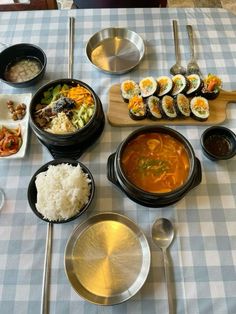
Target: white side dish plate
pixel 7 121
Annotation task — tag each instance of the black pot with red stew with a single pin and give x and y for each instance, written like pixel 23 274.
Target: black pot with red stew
pixel 155 166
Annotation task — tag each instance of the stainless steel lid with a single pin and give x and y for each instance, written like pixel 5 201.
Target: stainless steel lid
pixel 107 259
pixel 115 50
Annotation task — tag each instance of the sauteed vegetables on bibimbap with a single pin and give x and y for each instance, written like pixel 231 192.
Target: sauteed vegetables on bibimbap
pixel 64 109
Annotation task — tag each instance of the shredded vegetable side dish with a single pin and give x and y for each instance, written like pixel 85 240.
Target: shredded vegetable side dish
pixel 10 141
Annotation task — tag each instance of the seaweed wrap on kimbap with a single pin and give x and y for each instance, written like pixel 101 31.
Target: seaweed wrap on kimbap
pixel 195 85
pixel 129 88
pixel 180 84
pixel 153 108
pixel 168 107
pixel 182 106
pixel 199 108
pixel 165 85
pixel 211 86
pixel 137 108
pixel 148 86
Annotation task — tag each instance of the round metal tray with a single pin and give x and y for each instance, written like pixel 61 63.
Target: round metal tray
pixel 107 259
pixel 115 50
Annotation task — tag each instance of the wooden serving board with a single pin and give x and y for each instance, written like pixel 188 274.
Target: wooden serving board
pixel 117 112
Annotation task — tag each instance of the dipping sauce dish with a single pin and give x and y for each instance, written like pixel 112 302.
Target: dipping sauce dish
pixel 218 143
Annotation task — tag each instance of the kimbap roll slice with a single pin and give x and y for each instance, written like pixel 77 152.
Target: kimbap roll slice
pixel 165 85
pixel 129 88
pixel 168 107
pixel 211 86
pixel 148 86
pixel 195 85
pixel 199 108
pixel 137 108
pixel 180 84
pixel 153 108
pixel 182 105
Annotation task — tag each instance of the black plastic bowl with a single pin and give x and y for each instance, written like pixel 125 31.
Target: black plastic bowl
pixel 19 51
pixel 79 140
pixel 32 191
pixel 218 143
pixel 116 175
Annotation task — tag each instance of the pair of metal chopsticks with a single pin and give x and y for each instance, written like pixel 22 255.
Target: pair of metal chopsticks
pixel 48 249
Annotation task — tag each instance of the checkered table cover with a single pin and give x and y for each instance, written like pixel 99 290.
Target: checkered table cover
pixel 203 254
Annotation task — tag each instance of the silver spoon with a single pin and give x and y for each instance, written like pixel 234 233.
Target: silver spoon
pixel 176 68
pixel 192 67
pixel 162 236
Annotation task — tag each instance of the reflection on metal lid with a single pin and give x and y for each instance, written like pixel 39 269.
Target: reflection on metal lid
pixel 107 259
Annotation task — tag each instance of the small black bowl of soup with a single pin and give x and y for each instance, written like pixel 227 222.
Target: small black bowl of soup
pixel 154 166
pixel 22 65
pixel 218 143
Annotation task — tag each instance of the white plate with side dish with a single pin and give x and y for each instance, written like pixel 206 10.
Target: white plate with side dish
pixel 17 119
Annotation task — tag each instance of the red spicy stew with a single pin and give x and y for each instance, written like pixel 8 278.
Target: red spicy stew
pixel 155 162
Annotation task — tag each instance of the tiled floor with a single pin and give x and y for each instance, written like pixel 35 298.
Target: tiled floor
pixel 226 4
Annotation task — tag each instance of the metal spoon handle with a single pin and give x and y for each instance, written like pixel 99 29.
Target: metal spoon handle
pixel 176 40
pixel 71 46
pixel 46 271
pixel 190 36
pixel 168 283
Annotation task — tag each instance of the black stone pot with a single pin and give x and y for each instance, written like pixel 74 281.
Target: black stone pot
pixel 71 145
pixel 116 175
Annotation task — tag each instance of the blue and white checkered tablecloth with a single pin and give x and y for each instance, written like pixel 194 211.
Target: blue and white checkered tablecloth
pixel 204 251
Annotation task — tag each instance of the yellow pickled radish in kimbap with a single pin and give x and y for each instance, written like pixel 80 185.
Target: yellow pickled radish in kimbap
pixel 199 108
pixel 129 88
pixel 195 85
pixel 153 108
pixel 168 107
pixel 165 85
pixel 148 86
pixel 180 84
pixel 137 108
pixel 182 105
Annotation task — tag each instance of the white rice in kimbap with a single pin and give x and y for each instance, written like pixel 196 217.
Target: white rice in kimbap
pixel 195 84
pixel 182 105
pixel 129 88
pixel 180 84
pixel 168 107
pixel 153 106
pixel 165 85
pixel 200 108
pixel 148 86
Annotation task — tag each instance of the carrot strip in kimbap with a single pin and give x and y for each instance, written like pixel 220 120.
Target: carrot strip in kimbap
pixel 199 108
pixel 182 105
pixel 153 108
pixel 168 107
pixel 165 85
pixel 137 108
pixel 212 86
pixel 129 88
pixel 180 84
pixel 148 86
pixel 195 85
